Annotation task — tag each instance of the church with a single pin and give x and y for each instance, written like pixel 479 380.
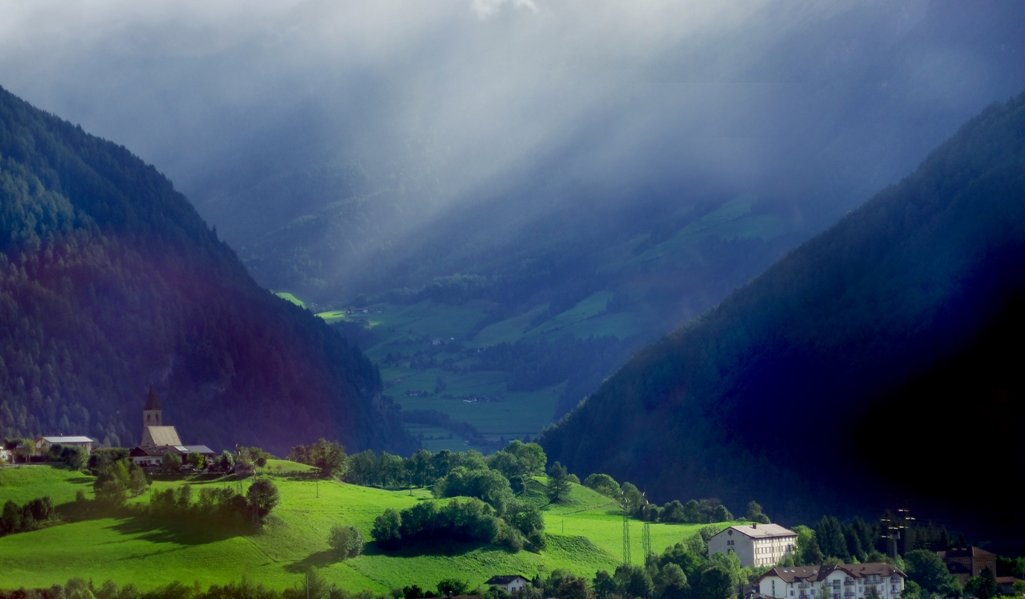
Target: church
pixel 159 439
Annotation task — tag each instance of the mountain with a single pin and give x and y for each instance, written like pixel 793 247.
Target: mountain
pixel 876 364
pixel 500 206
pixel 111 283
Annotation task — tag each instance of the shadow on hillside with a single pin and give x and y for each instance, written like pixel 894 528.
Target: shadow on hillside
pixel 319 559
pixel 161 530
pixel 82 480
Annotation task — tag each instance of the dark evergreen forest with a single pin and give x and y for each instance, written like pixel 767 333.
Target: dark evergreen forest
pixel 110 283
pixel 877 364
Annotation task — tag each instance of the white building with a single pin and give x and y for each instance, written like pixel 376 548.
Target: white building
pixel 844 581
pixel 508 583
pixel 43 443
pixel 755 544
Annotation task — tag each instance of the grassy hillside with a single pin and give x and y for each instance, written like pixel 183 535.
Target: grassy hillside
pixel 584 535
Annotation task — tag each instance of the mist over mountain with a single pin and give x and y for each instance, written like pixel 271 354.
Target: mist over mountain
pixel 328 140
pixel 111 283
pixel 872 366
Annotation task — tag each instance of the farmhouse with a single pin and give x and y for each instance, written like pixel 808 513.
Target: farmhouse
pixel 159 439
pixel 755 544
pixel 966 562
pixel 43 443
pixel 843 581
pixel 5 456
pixel 508 583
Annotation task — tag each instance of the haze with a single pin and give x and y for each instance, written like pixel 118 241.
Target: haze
pixel 263 113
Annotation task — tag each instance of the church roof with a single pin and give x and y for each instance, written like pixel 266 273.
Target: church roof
pixel 152 403
pixel 162 435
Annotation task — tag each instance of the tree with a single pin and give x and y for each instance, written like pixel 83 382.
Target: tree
pixel 755 513
pixel 197 460
pixel 670 582
pixel 633 581
pixel 983 586
pixel 327 456
pixel 452 585
pixel 110 492
pixel 10 520
pixel 531 457
pixel 714 583
pixel 418 468
pixel 632 499
pixel 387 530
pixel 170 464
pixel 604 484
pixel 558 483
pixel 673 511
pixel 137 481
pixel 346 541
pixel 262 497
pixel 829 535
pixel 928 570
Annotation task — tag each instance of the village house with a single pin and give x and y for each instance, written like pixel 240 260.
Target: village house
pixel 754 544
pixel 159 439
pixel 5 456
pixel 966 562
pixel 43 443
pixel 843 581
pixel 508 583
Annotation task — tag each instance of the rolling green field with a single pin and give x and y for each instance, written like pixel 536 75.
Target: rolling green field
pixel 584 535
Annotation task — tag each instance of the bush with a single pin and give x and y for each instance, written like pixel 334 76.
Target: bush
pixel 346 541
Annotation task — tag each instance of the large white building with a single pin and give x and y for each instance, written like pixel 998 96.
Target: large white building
pixel 755 544
pixel 844 581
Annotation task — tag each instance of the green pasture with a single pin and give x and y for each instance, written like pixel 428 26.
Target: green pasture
pixel 23 483
pixel 288 296
pixel 584 535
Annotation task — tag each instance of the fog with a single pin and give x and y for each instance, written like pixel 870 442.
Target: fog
pixel 264 112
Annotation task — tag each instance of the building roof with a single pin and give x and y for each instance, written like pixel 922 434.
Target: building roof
pixel 163 435
pixel 972 552
pixel 761 531
pixel 505 579
pixel 194 449
pixel 67 439
pixel 152 403
pixel 817 573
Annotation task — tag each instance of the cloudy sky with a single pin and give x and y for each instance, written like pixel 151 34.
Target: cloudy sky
pixel 455 98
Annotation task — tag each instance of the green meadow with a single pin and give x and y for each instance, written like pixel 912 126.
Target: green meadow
pixel 584 534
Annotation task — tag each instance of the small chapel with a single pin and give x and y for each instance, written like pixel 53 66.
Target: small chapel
pixel 159 439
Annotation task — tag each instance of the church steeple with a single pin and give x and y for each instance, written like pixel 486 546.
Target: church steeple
pixel 152 414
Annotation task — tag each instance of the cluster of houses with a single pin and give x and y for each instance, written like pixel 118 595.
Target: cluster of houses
pixel 767 544
pixel 157 440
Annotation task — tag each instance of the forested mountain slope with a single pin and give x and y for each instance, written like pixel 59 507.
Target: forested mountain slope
pixel 110 282
pixel 876 364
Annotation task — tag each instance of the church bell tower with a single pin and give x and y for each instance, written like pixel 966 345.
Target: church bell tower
pixel 151 414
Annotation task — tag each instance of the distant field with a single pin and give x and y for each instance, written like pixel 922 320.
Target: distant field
pixel 285 295
pixel 129 551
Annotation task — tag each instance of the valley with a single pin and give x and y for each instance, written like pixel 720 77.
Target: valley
pixel 476 359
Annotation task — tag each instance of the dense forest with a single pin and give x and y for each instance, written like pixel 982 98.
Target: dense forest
pixel 111 283
pixel 873 365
